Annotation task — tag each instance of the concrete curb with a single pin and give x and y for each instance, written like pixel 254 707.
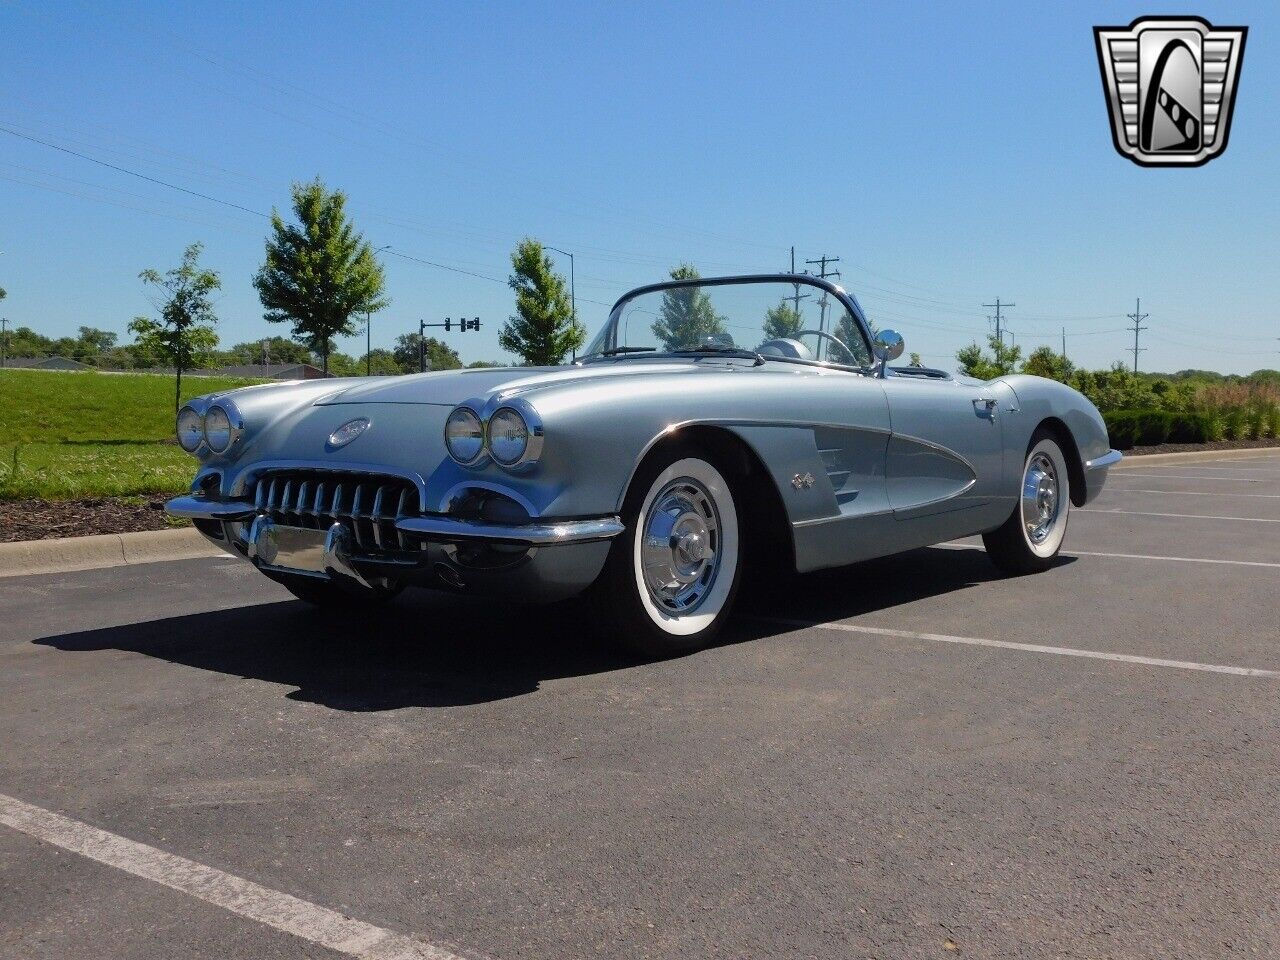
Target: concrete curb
pixel 31 557
pixel 1191 456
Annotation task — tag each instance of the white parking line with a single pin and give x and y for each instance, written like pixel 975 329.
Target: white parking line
pixel 1129 475
pixel 1199 493
pixel 315 924
pixel 1034 648
pixel 1181 516
pixel 1149 556
pixel 1130 556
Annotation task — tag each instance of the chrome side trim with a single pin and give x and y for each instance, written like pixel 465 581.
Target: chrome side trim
pixel 191 507
pixel 1108 459
pixel 538 534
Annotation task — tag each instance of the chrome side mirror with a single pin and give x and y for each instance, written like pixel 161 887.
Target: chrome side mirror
pixel 889 345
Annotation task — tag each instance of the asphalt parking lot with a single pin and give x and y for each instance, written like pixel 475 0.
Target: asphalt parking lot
pixel 941 762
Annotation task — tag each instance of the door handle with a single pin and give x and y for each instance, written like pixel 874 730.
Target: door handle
pixel 984 407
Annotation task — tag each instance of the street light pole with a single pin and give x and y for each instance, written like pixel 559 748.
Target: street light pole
pixel 368 330
pixel 573 299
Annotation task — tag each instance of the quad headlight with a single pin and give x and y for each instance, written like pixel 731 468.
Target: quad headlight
pixel 190 429
pixel 464 436
pixel 217 429
pixel 512 435
pixel 508 437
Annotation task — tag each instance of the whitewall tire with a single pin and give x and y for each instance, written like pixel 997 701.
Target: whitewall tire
pixel 672 575
pixel 1032 536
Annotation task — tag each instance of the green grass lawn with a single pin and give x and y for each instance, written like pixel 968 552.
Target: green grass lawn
pixel 66 435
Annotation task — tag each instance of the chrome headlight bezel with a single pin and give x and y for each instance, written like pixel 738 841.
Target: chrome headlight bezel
pixel 199 429
pixel 484 412
pixel 533 430
pixel 465 411
pixel 235 426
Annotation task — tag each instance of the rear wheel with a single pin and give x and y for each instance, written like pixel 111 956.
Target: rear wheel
pixel 1032 536
pixel 672 574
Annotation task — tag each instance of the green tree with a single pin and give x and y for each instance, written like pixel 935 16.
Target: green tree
pixel 1003 359
pixel 25 342
pixel 440 356
pixel 781 321
pixel 687 316
pixel 1044 362
pixel 319 273
pixel 381 362
pixel 183 336
pixel 97 340
pixel 543 330
pixel 484 365
pixel 344 365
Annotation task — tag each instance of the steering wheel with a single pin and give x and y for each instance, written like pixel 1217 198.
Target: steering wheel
pixel 852 360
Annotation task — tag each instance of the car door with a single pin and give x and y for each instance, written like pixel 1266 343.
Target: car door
pixel 946 452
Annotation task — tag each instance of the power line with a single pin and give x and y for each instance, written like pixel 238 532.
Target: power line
pixel 132 173
pixel 1137 317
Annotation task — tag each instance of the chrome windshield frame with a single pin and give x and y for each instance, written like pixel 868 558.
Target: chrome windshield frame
pixel 846 299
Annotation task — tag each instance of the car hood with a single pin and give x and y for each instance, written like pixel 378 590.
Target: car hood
pixel 450 387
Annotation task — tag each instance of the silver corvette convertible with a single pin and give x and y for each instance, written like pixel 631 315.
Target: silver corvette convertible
pixel 715 428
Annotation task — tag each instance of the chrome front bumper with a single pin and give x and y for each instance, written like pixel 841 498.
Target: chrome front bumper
pixel 540 561
pixel 1095 473
pixel 434 528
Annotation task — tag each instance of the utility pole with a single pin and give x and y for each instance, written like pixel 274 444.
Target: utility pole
pixel 797 296
pixel 821 263
pixel 1137 317
pixel 998 318
pixel 4 339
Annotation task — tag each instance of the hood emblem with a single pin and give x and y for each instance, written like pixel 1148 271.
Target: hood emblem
pixel 348 432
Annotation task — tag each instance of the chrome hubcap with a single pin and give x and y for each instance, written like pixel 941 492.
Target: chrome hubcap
pixel 1040 498
pixel 681 548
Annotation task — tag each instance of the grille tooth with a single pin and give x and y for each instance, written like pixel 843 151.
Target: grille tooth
pixel 404 493
pixel 318 499
pixel 377 516
pixel 355 514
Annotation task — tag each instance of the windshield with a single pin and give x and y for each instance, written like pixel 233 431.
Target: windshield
pixel 789 320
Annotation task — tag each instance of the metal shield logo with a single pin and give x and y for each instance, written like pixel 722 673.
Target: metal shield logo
pixel 348 432
pixel 1170 84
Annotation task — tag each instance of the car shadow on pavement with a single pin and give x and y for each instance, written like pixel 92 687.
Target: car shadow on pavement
pixel 427 649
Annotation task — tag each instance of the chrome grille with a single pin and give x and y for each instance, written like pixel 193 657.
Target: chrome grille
pixel 367 504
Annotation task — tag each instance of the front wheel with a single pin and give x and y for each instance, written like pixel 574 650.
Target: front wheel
pixel 672 574
pixel 1032 536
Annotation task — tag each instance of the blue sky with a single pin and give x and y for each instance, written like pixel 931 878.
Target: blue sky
pixel 949 154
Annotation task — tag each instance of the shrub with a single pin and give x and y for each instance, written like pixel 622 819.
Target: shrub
pixel 1148 428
